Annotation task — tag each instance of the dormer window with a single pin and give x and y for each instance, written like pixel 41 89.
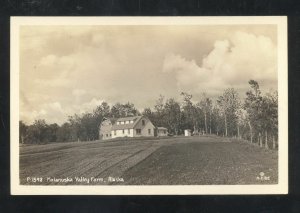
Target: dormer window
pixel 143 122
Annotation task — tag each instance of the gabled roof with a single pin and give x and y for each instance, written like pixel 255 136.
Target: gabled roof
pixel 128 118
pixel 135 120
pixel 162 128
pixel 112 120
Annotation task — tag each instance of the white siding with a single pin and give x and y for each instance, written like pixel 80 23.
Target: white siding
pixel 187 132
pixel 162 132
pixel 144 128
pixel 105 130
pixel 132 132
pixel 119 133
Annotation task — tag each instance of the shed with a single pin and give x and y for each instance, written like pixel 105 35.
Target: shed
pixel 187 132
pixel 162 131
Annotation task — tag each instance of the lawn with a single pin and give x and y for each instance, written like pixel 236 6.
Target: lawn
pixel 152 161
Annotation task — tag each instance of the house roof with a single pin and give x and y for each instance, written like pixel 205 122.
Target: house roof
pixel 162 128
pixel 135 120
pixel 112 120
pixel 128 118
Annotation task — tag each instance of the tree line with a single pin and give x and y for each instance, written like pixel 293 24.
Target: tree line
pixel 255 118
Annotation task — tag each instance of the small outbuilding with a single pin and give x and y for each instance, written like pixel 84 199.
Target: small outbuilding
pixel 162 131
pixel 187 132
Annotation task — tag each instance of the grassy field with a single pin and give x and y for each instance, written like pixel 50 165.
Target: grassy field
pixel 180 160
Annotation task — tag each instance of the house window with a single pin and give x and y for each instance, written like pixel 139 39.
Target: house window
pixel 123 131
pixel 115 132
pixel 149 131
pixel 165 132
pixel 143 122
pixel 138 131
pixel 128 131
pixel 106 135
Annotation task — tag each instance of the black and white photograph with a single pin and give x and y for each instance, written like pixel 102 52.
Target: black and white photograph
pixel 149 105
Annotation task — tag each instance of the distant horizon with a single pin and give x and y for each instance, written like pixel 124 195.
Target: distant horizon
pixel 72 69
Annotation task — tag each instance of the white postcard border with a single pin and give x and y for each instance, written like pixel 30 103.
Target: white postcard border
pixel 280 188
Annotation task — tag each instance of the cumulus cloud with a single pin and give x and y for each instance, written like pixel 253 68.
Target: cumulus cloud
pixel 78 93
pixel 55 106
pixel 54 112
pixel 72 69
pixel 51 112
pixel 232 62
pixel 60 66
pixel 91 105
pixel 184 69
pixel 51 71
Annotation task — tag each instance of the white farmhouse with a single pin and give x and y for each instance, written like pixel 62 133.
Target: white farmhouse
pixel 136 126
pixel 105 128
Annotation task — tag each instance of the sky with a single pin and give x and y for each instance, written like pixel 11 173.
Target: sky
pixel 71 69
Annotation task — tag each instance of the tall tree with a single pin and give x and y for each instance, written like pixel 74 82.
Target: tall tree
pixel 239 115
pixel 159 111
pixel 148 113
pixel 270 116
pixel 89 130
pixel 206 106
pixel 229 103
pixel 103 110
pixel 123 110
pixel 173 115
pixel 253 106
pixel 36 132
pixel 75 128
pixel 189 112
pixel 22 131
pixel 64 133
pixel 52 130
pixel 217 119
pixel 130 110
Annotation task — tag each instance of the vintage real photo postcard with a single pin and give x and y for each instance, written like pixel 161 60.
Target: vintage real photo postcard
pixel 149 105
